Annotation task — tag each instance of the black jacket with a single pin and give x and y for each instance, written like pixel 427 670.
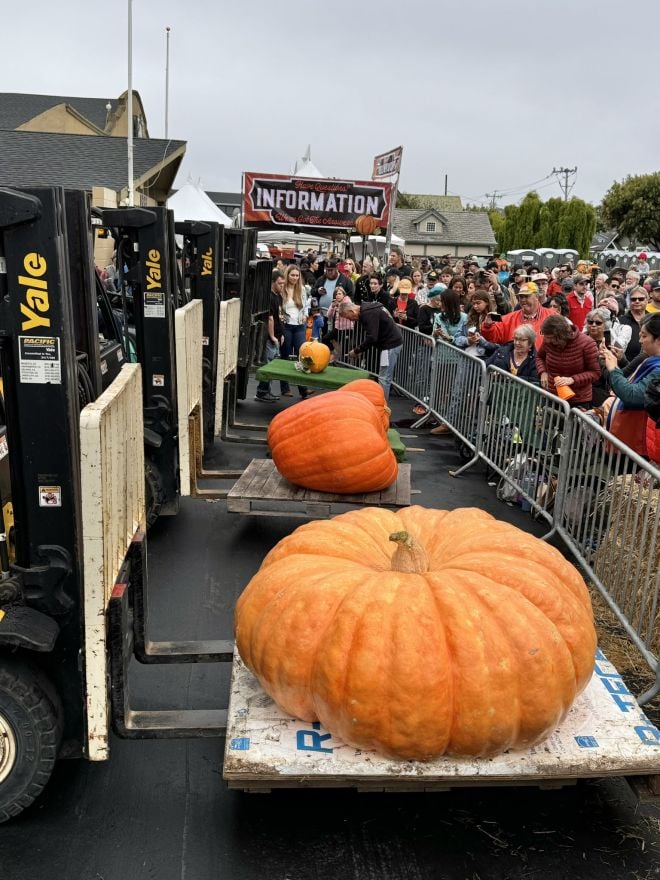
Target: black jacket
pixel 501 358
pixel 634 346
pixel 381 331
pixel 412 313
pixel 342 281
pixel 425 318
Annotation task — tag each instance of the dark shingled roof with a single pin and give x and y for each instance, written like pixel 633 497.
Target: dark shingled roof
pixel 79 161
pixel 462 227
pixel 226 198
pixel 17 109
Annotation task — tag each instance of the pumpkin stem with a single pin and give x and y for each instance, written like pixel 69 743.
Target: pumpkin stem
pixel 410 555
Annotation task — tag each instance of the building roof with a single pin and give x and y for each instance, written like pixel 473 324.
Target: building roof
pixel 441 203
pixel 17 108
pixel 225 198
pixel 458 227
pixel 79 161
pixel 603 240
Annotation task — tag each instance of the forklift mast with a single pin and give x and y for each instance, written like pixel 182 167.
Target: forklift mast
pixel 42 595
pixel 146 257
pixel 202 269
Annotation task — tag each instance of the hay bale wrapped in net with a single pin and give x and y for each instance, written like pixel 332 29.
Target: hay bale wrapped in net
pixel 627 560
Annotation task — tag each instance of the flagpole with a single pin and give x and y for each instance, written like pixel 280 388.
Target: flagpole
pixel 129 108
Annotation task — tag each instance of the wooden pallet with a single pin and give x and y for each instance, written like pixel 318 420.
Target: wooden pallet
pixel 604 734
pixel 263 491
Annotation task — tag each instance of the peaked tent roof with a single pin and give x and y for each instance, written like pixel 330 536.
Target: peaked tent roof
pixel 192 203
pixel 305 167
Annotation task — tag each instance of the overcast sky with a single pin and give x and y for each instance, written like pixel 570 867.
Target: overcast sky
pixel 493 94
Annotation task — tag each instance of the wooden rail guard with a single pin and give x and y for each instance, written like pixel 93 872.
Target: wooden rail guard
pixel 113 510
pixel 188 332
pixel 228 333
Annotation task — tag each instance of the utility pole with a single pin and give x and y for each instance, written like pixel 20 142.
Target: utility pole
pixel 494 196
pixel 558 172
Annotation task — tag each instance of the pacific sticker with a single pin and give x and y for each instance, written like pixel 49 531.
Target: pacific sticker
pixel 39 359
pixel 50 496
pixel 154 304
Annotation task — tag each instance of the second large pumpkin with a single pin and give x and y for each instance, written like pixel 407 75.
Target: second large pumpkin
pixel 333 443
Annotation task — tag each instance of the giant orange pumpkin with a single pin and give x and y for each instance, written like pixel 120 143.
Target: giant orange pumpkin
pixel 419 633
pixel 365 225
pixel 333 443
pixel 314 356
pixel 373 391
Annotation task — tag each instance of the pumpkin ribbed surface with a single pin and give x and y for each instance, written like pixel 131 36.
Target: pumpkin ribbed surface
pixel 314 356
pixel 465 651
pixel 333 443
pixel 373 391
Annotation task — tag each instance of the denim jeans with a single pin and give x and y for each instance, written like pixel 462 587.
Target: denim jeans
pixel 294 336
pixel 270 353
pixel 386 374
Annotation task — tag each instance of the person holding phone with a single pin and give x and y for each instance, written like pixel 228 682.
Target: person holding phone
pixel 598 325
pixel 530 312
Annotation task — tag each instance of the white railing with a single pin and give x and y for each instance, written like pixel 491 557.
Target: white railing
pixel 113 510
pixel 188 332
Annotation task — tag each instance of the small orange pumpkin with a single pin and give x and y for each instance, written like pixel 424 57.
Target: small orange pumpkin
pixel 314 356
pixel 373 391
pixel 365 224
pixel 333 443
pixel 403 633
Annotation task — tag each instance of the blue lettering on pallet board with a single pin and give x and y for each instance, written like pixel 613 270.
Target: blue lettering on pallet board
pixel 312 740
pixel 616 687
pixel 240 743
pixel 587 742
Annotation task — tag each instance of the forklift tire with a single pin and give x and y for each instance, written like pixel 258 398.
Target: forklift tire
pixel 154 494
pixel 30 735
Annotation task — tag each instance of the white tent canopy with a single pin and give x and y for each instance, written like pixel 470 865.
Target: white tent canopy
pixel 305 167
pixel 289 238
pixel 192 203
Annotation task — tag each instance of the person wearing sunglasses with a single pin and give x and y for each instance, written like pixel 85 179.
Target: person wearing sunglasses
pixel 653 304
pixel 633 318
pixel 598 325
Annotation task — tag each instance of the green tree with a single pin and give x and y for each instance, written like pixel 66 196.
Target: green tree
pixel 527 221
pixel 548 231
pixel 498 223
pixel 577 224
pixel 633 207
pixel 405 200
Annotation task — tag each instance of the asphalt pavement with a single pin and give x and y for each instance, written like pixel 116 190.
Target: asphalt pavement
pixel 159 810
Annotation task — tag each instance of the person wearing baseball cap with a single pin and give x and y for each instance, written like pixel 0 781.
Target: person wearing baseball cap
pixel 580 301
pixel 541 281
pixel 406 309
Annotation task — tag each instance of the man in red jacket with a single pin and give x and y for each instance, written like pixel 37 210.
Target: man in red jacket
pixel 580 301
pixel 530 312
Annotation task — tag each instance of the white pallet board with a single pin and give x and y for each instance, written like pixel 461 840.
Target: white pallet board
pixel 605 733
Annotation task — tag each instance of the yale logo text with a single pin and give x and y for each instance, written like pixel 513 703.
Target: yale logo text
pixel 207 262
pixel 35 290
pixel 154 273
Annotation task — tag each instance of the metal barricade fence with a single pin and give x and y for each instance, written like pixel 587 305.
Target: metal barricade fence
pixel 607 512
pixel 346 341
pixel 413 373
pixel 456 396
pixel 520 436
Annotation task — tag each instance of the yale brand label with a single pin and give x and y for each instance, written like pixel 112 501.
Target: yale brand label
pixel 207 262
pixel 154 272
pixel 35 303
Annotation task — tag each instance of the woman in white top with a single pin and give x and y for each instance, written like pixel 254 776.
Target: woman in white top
pixel 294 316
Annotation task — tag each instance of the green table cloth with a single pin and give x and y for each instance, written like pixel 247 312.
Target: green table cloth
pixel 331 378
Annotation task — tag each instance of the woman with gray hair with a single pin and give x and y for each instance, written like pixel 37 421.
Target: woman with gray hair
pixel 598 326
pixel 518 357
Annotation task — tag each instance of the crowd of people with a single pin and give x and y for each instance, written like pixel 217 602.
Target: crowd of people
pixel 592 338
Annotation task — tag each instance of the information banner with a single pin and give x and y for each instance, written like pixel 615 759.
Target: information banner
pixel 274 200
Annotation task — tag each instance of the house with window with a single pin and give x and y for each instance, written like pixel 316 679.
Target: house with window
pixel 434 233
pixel 49 140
